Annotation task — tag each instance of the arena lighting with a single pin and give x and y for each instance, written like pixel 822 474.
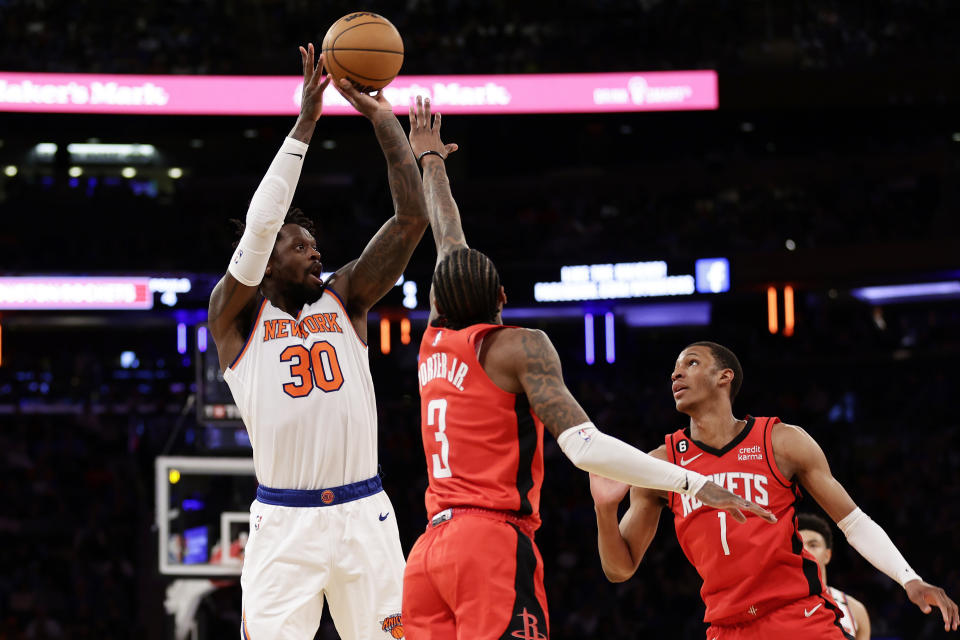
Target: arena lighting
pixel 887 294
pixel 175 172
pixel 99 152
pixel 384 336
pixel 80 292
pixel 202 339
pixel 128 172
pixel 788 318
pixel 588 338
pixel 1 345
pixel 608 328
pixel 610 281
pixel 181 338
pixel 713 275
pixel 10 170
pixel 405 331
pixel 280 95
pixel 75 172
pixel 772 324
pixel 666 314
pixel 44 150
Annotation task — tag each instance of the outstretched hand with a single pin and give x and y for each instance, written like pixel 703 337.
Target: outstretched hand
pixel 368 105
pixel 713 495
pixel 926 596
pixel 314 84
pixel 425 132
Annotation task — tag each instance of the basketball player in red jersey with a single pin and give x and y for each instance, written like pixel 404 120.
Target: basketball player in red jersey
pixel 487 392
pixel 758 581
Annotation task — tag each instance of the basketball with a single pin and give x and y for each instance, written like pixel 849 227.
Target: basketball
pixel 365 48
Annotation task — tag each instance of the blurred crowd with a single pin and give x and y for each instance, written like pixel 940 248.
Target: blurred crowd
pixel 618 187
pixel 473 36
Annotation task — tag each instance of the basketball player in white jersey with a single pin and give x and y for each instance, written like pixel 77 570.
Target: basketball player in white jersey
pixel 818 540
pixel 293 350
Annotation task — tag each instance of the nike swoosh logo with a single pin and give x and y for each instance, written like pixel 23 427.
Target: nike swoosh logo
pixel 807 614
pixel 684 462
pixel 299 155
pixel 384 516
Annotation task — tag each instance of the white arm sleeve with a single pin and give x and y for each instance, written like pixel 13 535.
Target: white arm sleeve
pixel 594 451
pixel 873 543
pixel 267 210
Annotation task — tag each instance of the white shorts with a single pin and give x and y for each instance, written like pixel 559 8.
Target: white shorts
pixel 347 552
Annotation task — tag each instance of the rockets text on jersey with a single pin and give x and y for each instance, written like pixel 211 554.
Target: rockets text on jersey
pixel 752 568
pixel 483 445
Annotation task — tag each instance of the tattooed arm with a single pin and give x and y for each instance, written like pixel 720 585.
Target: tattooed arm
pixel 363 282
pixel 525 361
pixel 432 152
pixel 441 207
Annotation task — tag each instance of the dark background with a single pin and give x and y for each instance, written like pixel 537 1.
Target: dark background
pixel 838 130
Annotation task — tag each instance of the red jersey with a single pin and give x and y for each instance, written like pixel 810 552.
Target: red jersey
pixel 752 568
pixel 484 446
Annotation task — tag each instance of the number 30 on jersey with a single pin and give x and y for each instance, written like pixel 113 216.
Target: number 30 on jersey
pixel 317 367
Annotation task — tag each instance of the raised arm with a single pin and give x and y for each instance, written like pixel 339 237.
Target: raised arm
pixel 363 282
pixel 536 369
pixel 232 300
pixel 798 455
pixel 431 152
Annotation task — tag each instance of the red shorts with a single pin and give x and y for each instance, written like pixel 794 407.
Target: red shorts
pixel 814 617
pixel 476 576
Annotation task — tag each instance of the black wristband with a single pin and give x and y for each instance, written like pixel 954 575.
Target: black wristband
pixel 429 152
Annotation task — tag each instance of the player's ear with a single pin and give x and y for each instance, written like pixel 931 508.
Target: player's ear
pixel 828 554
pixel 726 377
pixel 501 298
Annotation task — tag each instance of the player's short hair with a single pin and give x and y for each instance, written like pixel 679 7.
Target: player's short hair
pixel 294 216
pixel 466 286
pixel 726 359
pixel 813 522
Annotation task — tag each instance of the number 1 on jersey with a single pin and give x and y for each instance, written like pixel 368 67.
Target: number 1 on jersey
pixel 723 532
pixel 441 463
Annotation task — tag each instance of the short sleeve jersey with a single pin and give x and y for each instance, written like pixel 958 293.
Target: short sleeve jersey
pixel 483 445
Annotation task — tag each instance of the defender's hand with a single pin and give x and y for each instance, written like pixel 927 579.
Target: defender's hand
pixel 314 84
pixel 369 105
pixel 713 495
pixel 425 132
pixel 926 596
pixel 607 492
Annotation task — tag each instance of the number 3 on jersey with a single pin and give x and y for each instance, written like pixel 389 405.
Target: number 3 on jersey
pixel 441 463
pixel 317 367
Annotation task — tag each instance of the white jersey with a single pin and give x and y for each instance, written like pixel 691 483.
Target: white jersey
pixel 846 621
pixel 305 393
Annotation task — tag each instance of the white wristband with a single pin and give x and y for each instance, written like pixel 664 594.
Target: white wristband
pixel 594 451
pixel 873 543
pixel 268 208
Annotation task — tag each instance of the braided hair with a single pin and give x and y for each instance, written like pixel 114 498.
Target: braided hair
pixel 466 286
pixel 294 216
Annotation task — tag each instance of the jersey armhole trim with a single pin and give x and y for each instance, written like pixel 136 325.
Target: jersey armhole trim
pixel 768 452
pixel 253 330
pixel 673 459
pixel 336 296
